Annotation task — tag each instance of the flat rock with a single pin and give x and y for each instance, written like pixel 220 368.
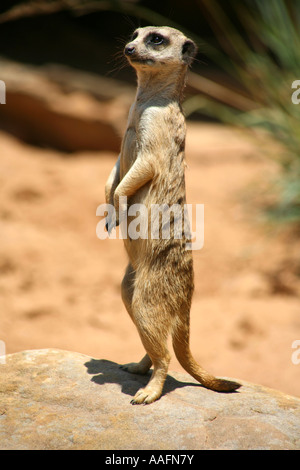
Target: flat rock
pixel 53 399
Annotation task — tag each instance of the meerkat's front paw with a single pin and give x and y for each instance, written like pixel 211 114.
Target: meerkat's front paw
pixel 146 395
pixel 110 217
pixel 111 222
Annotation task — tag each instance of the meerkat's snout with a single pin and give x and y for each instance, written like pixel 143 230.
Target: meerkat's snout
pixel 129 50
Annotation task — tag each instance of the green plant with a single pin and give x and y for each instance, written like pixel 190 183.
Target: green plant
pixel 261 51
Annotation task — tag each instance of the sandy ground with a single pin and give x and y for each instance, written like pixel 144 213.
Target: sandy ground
pixel 60 284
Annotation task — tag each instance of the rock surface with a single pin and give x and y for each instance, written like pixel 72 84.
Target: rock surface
pixel 53 399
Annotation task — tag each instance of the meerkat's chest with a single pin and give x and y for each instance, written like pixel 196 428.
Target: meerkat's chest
pixel 129 150
pixel 130 144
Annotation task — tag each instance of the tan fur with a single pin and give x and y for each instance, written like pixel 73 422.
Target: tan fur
pixel 158 284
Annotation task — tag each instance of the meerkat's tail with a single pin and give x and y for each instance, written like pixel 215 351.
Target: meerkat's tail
pixel 180 338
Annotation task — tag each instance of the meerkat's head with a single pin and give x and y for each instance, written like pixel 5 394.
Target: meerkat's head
pixel 155 47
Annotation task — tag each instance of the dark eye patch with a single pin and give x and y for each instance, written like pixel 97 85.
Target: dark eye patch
pixel 189 51
pixel 156 39
pixel 134 36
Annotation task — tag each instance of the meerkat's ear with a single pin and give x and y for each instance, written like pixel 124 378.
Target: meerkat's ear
pixel 189 51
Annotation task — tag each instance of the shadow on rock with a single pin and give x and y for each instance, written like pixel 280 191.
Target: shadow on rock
pixel 105 371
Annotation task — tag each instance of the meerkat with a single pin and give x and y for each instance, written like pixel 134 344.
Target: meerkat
pixel 158 284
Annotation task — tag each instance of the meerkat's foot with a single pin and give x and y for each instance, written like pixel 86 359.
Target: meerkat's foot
pixel 134 368
pixel 154 388
pixel 146 395
pixel 140 368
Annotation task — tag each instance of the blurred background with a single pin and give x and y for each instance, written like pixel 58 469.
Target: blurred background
pixel 68 91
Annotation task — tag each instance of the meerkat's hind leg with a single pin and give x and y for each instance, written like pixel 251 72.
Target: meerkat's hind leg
pixel 155 343
pixel 141 367
pixel 127 290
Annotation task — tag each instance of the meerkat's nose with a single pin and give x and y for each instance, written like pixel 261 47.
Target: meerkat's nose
pixel 129 50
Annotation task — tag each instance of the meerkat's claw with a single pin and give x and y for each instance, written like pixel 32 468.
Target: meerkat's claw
pixel 126 368
pixel 110 225
pixel 145 396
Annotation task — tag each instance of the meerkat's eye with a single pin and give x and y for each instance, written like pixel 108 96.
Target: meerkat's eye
pixel 156 39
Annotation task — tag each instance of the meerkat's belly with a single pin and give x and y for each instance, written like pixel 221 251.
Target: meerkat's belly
pixel 166 188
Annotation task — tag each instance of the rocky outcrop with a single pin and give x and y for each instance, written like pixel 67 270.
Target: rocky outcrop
pixel 53 399
pixel 60 108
